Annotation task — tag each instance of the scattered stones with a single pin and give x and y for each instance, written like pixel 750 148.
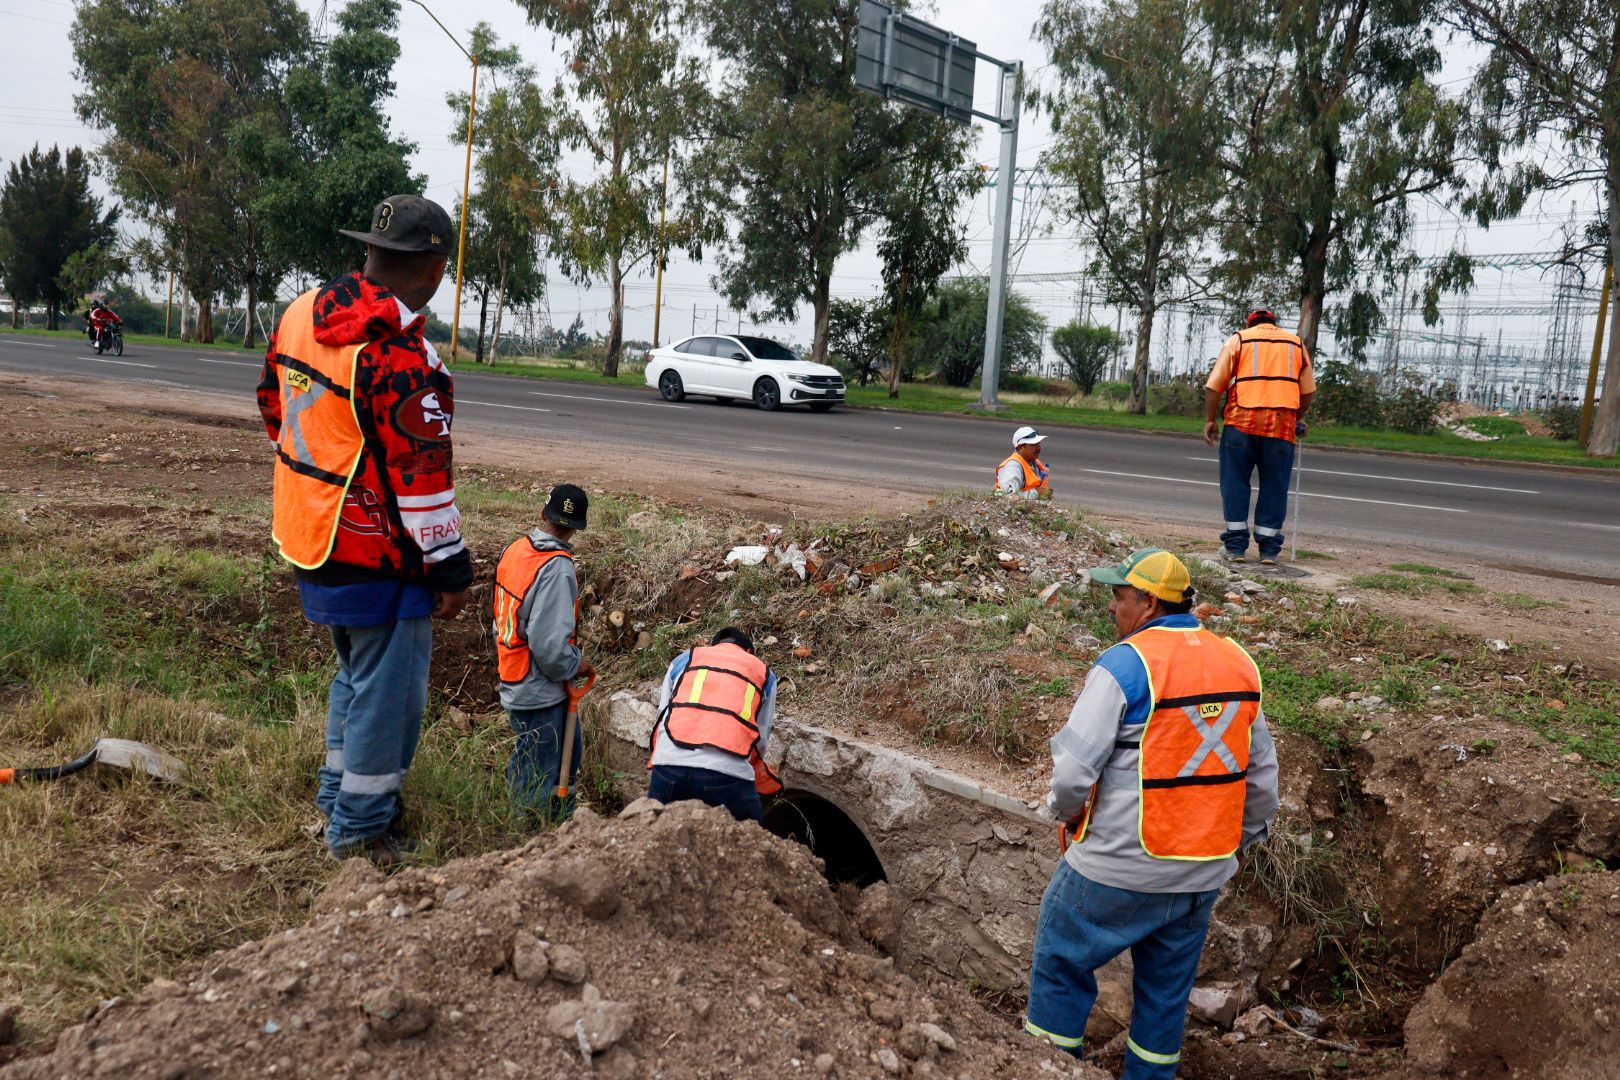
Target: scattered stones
pixel 531 958
pixel 598 1024
pixel 1498 645
pixel 568 965
pixel 393 1013
pixel 585 886
pixel 888 1061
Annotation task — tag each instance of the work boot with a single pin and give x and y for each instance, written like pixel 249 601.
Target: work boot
pixel 384 851
pixel 1268 560
pixel 1234 556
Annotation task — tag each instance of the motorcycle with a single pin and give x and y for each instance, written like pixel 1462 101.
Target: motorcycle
pixel 110 340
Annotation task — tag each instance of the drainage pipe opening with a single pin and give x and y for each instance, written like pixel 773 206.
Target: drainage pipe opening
pixel 830 835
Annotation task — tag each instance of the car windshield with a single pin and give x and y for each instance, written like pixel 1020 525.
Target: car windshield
pixel 766 349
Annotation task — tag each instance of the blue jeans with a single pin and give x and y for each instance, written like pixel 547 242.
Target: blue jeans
pixel 673 783
pixel 373 722
pixel 1083 925
pixel 536 761
pixel 1241 455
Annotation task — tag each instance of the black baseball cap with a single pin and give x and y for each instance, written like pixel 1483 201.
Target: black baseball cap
pixel 735 636
pixel 567 506
pixel 407 223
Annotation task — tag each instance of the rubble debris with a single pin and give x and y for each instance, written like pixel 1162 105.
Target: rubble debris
pixel 748 555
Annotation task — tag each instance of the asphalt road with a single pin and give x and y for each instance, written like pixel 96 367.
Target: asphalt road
pixel 1567 522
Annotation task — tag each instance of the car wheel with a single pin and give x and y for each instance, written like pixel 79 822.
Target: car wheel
pixel 821 406
pixel 767 395
pixel 671 387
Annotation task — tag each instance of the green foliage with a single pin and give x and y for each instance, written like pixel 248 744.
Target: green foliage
pixel 1495 426
pixel 333 157
pixel 1336 125
pixel 1180 396
pixel 55 240
pixel 1086 351
pixel 631 98
pixel 858 337
pixel 1422 585
pixel 949 336
pixel 1564 421
pixel 1139 143
pixel 1346 394
pixel 1411 409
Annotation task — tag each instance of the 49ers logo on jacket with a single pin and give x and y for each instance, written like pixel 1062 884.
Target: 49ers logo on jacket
pixel 422 416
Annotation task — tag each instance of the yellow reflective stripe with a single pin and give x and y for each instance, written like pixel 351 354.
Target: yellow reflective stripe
pixel 1063 1041
pixel 697 685
pixel 748 702
pixel 1149 1056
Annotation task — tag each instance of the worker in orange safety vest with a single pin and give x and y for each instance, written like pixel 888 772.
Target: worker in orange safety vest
pixel 1023 474
pixel 1164 773
pixel 1265 375
pixel 714 720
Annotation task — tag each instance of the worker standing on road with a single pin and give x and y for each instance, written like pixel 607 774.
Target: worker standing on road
pixel 359 408
pixel 714 719
pixel 537 646
pixel 1164 773
pixel 1023 474
pixel 1265 374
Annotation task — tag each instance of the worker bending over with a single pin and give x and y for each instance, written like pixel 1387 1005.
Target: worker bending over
pixel 537 646
pixel 714 719
pixel 1024 474
pixel 1164 774
pixel 1265 374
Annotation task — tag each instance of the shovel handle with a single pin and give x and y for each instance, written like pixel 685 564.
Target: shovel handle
pixel 569 730
pixel 49 772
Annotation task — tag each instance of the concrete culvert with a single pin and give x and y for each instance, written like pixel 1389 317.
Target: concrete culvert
pixel 830 835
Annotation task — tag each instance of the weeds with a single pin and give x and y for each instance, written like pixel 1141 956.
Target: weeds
pixel 1525 602
pixel 1389 581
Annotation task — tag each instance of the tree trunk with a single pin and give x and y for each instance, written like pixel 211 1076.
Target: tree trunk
pixel 250 335
pixel 500 304
pixel 1139 371
pixel 1604 439
pixel 16 314
pixel 205 320
pixel 897 339
pixel 483 319
pixel 615 342
pixel 823 303
pixel 51 319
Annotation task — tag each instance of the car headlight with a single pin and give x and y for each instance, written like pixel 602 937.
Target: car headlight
pixel 799 378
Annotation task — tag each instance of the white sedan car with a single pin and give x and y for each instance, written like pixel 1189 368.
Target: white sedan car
pixel 729 367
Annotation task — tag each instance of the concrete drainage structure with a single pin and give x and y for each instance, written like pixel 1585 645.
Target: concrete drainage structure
pixel 967 863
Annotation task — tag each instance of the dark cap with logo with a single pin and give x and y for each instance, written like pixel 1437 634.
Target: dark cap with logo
pixel 567 506
pixel 407 223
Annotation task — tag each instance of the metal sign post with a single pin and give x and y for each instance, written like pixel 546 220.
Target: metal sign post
pixel 902 58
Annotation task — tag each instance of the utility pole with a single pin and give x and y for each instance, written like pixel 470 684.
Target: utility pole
pixel 1007 108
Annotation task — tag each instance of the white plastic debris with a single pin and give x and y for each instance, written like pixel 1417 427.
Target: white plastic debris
pixel 747 555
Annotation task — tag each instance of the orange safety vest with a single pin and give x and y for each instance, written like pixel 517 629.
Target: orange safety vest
pixel 1266 372
pixel 319 446
pixel 514 576
pixel 714 706
pixel 1034 475
pixel 1193 756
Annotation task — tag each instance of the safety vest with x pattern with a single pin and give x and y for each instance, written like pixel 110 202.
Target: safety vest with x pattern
pixel 1267 369
pixel 515 575
pixel 1034 475
pixel 715 705
pixel 1193 753
pixel 320 444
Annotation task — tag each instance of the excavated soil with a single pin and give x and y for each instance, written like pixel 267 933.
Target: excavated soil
pixel 672 943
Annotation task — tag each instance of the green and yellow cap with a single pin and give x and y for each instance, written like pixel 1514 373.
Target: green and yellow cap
pixel 1153 570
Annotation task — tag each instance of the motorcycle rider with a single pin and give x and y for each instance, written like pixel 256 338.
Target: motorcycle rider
pixel 100 319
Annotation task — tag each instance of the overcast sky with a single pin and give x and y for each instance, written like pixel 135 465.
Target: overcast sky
pixel 36 105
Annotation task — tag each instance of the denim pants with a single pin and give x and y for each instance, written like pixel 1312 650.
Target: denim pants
pixel 536 761
pixel 1241 455
pixel 673 783
pixel 1083 925
pixel 373 722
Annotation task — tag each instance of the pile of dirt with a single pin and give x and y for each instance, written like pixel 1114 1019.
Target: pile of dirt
pixel 1536 994
pixel 671 942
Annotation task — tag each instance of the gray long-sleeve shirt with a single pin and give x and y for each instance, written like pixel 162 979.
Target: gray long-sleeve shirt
pixel 1114 707
pixel 665 752
pixel 547 617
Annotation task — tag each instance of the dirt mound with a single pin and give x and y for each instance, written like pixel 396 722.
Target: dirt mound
pixel 676 943
pixel 1536 994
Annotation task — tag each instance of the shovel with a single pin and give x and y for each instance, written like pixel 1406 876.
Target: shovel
pixel 569 730
pixel 118 753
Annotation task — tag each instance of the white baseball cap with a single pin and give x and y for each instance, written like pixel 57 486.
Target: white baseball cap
pixel 1026 435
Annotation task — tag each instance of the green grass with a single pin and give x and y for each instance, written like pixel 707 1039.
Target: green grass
pixel 1428 571
pixel 1524 602
pixel 1495 426
pixel 1387 581
pixel 1307 553
pixel 77 336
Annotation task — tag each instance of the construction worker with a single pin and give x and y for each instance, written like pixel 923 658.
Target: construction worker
pixel 1265 374
pixel 537 646
pixel 1023 475
pixel 359 408
pixel 714 719
pixel 1163 775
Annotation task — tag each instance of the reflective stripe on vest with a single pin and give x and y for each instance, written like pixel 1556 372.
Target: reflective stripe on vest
pixel 1034 476
pixel 318 449
pixel 715 704
pixel 1194 752
pixel 1268 368
pixel 520 565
